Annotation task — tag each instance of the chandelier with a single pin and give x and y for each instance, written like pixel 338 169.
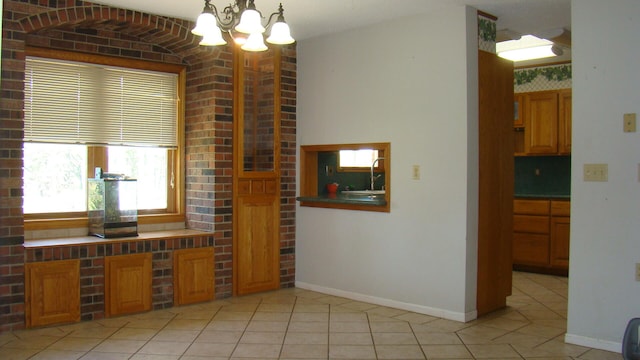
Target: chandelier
pixel 243 23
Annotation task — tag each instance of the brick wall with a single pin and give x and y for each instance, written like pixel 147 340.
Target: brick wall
pixel 91 28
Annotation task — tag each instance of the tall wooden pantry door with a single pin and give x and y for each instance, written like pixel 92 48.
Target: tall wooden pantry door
pixel 256 172
pixel 496 166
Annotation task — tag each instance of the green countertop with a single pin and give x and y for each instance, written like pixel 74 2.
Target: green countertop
pixel 373 200
pixel 543 196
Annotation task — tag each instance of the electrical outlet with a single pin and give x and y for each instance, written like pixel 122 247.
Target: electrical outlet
pixel 416 172
pixel 637 271
pixel 629 122
pixel 596 172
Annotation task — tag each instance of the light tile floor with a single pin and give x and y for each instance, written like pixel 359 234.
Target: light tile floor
pixel 299 324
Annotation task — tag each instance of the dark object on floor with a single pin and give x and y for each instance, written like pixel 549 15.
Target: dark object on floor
pixel 631 340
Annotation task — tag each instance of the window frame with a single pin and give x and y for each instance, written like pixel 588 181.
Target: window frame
pixel 97 155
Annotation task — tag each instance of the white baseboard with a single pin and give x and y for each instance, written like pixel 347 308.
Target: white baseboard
pixel 420 309
pixel 593 343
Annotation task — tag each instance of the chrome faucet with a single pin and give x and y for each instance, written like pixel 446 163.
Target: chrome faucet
pixel 374 178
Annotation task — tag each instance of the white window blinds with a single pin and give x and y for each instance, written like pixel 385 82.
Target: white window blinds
pixel 71 102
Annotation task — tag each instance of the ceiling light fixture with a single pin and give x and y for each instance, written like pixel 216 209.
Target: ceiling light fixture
pixel 528 47
pixel 243 22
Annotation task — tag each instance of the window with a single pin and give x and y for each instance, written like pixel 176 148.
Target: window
pixel 55 178
pixel 362 158
pixel 82 115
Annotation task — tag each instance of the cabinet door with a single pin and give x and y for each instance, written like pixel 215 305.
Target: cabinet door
pixel 127 284
pixel 559 254
pixel 518 110
pixel 564 122
pixel 256 172
pixel 193 275
pixel 531 249
pixel 52 292
pixel 541 123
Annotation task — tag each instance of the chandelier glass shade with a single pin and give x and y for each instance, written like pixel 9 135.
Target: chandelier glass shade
pixel 243 22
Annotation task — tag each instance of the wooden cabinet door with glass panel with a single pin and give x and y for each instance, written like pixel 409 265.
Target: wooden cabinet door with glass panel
pixel 256 179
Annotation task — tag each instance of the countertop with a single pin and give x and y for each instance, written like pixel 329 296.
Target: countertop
pixel 373 200
pixel 543 196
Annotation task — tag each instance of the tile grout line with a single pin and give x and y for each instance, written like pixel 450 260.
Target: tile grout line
pixel 416 337
pixel 375 348
pixel 329 333
pixel 286 331
pixel 200 332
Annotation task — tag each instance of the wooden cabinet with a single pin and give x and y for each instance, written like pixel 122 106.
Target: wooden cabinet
pixel 193 276
pixel 543 123
pixel 559 234
pixel 127 283
pixel 531 232
pixel 564 121
pixel 518 108
pixel 52 292
pixel 541 235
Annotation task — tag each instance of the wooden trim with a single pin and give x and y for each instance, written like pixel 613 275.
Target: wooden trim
pixel 487 15
pixel 378 208
pixel 103 59
pixel 543 65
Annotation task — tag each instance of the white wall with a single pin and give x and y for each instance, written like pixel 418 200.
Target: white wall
pixel 605 217
pixel 407 82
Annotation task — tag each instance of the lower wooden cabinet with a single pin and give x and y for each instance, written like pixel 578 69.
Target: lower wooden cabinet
pixel 52 292
pixel 559 246
pixel 128 284
pixel 193 276
pixel 541 235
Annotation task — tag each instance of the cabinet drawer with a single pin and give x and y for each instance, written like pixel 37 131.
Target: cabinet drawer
pixel 531 249
pixel 531 207
pixel 531 224
pixel 560 208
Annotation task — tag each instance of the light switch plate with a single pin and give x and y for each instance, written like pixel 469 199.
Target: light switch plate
pixel 629 122
pixel 596 172
pixel 415 172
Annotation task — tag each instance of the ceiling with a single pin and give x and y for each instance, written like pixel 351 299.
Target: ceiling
pixel 310 18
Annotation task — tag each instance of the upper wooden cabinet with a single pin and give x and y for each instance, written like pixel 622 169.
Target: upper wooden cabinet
pixel 564 121
pixel 544 121
pixel 518 107
pixel 541 123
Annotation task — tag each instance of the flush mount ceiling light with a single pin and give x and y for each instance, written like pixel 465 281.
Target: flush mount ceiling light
pixel 243 23
pixel 528 47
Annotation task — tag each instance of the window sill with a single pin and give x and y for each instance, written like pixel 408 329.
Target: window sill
pixel 48 224
pixel 94 240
